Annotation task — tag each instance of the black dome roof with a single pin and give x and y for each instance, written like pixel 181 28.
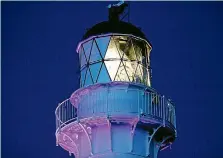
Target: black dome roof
pixel 114 27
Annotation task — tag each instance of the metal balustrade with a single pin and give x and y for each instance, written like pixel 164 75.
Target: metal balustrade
pixel 148 103
pixel 65 114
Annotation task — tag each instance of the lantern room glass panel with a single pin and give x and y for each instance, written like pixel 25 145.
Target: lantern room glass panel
pixel 115 58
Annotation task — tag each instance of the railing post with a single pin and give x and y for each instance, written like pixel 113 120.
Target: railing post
pixel 174 117
pixel 65 111
pixel 77 113
pixel 107 101
pixel 156 104
pixel 175 123
pixel 68 111
pixel 151 102
pixel 56 120
pixel 164 111
pixel 59 117
pixel 145 107
pixel 138 103
pixel 161 106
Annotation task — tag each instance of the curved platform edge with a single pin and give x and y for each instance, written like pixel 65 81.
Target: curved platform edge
pixel 67 136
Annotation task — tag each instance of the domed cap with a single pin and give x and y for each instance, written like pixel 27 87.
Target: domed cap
pixel 114 27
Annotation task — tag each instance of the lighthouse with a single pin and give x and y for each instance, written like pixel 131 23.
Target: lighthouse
pixel 116 113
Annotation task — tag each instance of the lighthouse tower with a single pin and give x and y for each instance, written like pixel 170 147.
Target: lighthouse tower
pixel 116 113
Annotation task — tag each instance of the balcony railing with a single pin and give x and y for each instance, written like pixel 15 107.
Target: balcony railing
pixel 65 114
pixel 101 103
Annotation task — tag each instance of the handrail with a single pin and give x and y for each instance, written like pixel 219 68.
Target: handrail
pixel 152 104
pixel 65 112
pixel 58 108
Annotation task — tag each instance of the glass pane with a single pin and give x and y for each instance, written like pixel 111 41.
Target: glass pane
pixel 125 47
pixel 82 56
pixel 87 49
pixel 95 55
pixel 144 55
pixel 88 79
pixel 112 67
pixel 120 42
pixel 95 68
pixel 148 78
pixel 121 74
pixel 138 74
pixel 102 43
pixel 148 49
pixel 128 50
pixel 145 76
pixel 140 51
pixel 83 72
pixel 112 51
pixel 130 69
pixel 103 75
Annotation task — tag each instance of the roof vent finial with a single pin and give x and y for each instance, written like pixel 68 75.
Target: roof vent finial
pixel 116 10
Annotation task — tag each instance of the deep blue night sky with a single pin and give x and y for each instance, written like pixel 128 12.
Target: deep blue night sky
pixel 40 69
